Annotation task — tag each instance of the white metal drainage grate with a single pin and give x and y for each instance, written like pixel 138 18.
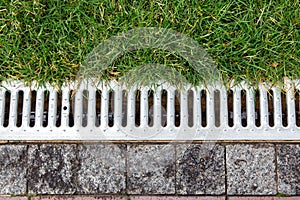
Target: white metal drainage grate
pixel 109 112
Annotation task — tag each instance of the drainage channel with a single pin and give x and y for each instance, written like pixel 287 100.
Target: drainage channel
pixel 111 112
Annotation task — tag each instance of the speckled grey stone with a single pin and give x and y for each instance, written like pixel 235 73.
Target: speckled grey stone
pixel 52 169
pixel 151 169
pixel 251 169
pixel 102 169
pixel 288 159
pixel 13 166
pixel 200 169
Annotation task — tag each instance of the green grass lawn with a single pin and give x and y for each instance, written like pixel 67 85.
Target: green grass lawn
pixel 47 40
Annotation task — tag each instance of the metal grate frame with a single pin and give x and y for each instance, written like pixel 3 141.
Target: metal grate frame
pixel 85 118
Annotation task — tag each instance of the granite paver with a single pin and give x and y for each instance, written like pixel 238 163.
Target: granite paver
pixel 263 198
pixel 13 167
pixel 200 169
pixel 52 169
pixel 288 161
pixel 79 197
pixel 102 169
pixel 151 169
pixel 251 169
pixel 177 197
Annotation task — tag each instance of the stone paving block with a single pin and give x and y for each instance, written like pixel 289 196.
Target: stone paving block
pixel 79 197
pixel 151 169
pixel 13 167
pixel 251 169
pixel 200 169
pixel 288 159
pixel 13 198
pixel 102 169
pixel 263 198
pixel 52 169
pixel 177 197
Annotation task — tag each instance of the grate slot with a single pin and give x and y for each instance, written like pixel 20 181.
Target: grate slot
pixel 58 109
pixel 283 107
pixel 230 100
pixel 190 108
pixel 111 108
pixel 217 108
pixel 45 108
pixel 85 107
pixel 7 108
pixel 137 108
pixel 98 108
pixel 271 108
pixel 150 108
pixel 203 108
pixel 164 108
pixel 124 108
pixel 243 108
pixel 32 108
pixel 177 108
pixel 20 97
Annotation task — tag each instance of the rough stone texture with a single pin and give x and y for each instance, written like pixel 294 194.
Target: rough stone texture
pixel 13 166
pixel 288 159
pixel 263 198
pixel 200 169
pixel 52 169
pixel 151 169
pixel 79 197
pixel 13 198
pixel 177 197
pixel 251 169
pixel 102 169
